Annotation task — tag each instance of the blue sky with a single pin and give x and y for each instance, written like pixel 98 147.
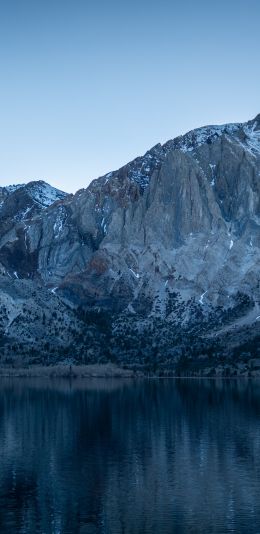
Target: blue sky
pixel 86 86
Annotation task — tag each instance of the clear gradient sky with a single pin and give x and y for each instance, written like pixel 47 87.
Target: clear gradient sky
pixel 86 86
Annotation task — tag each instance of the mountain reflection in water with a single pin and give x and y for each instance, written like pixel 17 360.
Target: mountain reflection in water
pixel 114 456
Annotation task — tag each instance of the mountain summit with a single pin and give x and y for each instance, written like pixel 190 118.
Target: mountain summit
pixel 168 246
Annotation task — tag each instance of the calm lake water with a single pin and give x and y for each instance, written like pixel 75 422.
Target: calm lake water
pixel 115 456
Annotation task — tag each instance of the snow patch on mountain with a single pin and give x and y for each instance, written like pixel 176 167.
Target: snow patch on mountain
pixel 252 138
pixel 141 169
pixel 12 188
pixel 58 225
pixel 24 214
pixel 200 136
pixel 44 194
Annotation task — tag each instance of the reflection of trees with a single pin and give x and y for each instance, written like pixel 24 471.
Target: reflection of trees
pixel 144 456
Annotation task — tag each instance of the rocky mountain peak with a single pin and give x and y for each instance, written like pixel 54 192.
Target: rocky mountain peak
pixel 43 193
pixel 23 201
pixel 174 234
pixel 257 118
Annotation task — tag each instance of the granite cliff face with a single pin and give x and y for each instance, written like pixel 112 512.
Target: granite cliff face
pixel 173 236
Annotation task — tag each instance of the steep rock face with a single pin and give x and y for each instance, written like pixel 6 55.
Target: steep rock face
pixel 19 205
pixel 173 234
pixel 209 177
pixel 194 230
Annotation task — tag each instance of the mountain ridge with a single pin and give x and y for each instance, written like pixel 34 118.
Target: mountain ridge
pixel 169 243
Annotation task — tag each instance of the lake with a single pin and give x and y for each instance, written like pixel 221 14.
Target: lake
pixel 129 456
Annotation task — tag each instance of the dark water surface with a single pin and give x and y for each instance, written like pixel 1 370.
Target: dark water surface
pixel 115 456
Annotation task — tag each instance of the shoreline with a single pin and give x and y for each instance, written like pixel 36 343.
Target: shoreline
pixel 67 371
pixel 108 370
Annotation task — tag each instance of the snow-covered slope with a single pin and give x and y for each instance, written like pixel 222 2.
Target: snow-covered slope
pixel 25 200
pixel 44 194
pixel 11 188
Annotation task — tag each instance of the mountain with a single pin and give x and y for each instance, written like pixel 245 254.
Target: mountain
pixel 160 259
pixel 25 200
